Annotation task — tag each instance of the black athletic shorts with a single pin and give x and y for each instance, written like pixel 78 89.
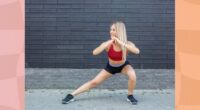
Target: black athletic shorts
pixel 114 70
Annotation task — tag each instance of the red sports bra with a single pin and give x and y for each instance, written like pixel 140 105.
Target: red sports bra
pixel 114 55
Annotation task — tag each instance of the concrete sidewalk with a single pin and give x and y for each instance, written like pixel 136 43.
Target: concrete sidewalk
pixel 62 78
pixel 99 99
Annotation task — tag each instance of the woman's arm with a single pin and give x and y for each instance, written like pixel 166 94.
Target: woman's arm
pixel 100 48
pixel 132 48
pixel 129 45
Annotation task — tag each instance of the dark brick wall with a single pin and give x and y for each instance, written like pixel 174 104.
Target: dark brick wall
pixel 63 33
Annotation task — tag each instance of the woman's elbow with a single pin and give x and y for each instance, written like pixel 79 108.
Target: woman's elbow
pixel 137 52
pixel 94 53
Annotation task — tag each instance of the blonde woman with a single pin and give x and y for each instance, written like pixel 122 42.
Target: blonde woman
pixel 117 48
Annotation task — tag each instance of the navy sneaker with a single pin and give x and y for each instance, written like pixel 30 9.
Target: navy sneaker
pixel 69 98
pixel 131 99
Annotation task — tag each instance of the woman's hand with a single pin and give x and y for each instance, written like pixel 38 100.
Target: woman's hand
pixel 109 42
pixel 129 45
pixel 118 41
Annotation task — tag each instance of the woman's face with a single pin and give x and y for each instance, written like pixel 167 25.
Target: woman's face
pixel 113 32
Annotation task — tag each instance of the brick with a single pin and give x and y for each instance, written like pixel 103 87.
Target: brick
pixel 63 33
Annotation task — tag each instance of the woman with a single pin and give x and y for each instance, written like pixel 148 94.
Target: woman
pixel 117 48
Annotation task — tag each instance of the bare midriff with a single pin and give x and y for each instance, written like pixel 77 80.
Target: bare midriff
pixel 116 62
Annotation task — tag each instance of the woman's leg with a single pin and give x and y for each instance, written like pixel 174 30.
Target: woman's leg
pixel 130 72
pixel 103 75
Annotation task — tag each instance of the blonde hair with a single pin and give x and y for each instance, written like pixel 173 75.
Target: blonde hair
pixel 121 33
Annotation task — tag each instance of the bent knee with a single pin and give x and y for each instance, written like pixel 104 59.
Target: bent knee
pixel 132 78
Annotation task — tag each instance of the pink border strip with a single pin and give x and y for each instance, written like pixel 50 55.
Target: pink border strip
pixel 12 55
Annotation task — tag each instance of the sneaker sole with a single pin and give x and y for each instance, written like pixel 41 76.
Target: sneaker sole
pixel 133 103
pixel 64 102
